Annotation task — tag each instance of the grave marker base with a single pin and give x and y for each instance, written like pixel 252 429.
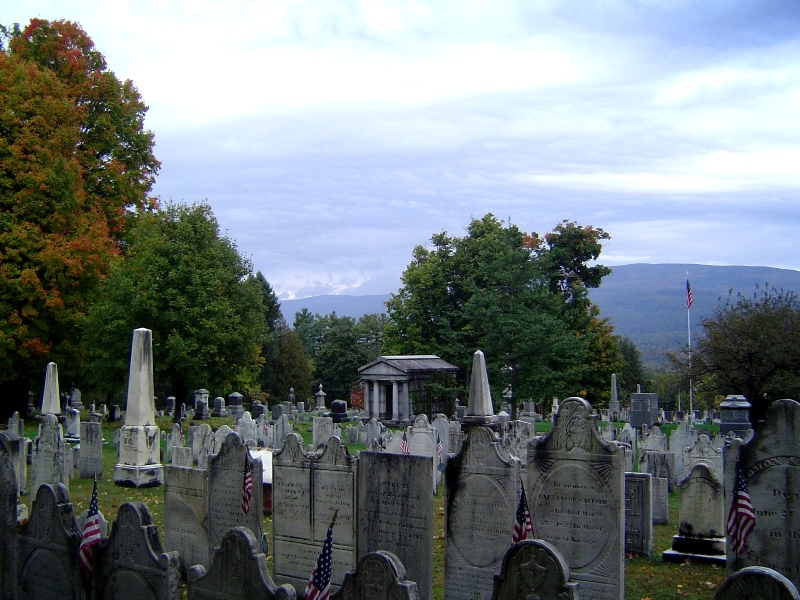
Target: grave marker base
pixel 139 475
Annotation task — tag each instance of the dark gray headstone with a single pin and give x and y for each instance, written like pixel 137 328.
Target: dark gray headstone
pixel 395 504
pixel 757 582
pixel 90 464
pixel 534 569
pixel 47 559
pixel 17 448
pixel 131 564
pixel 8 526
pixel 576 495
pixel 639 513
pixel 644 410
pixel 660 501
pixel 378 575
pixel 659 464
pixel 238 571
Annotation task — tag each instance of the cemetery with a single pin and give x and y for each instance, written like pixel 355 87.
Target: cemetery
pixel 215 504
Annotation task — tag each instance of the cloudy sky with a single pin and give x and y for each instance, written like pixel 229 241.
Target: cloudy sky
pixel 330 137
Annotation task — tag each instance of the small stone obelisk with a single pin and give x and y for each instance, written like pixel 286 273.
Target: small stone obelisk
pixel 140 439
pixel 51 398
pixel 613 405
pixel 479 410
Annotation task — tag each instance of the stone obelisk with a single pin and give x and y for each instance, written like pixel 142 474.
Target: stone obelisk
pixel 479 410
pixel 613 405
pixel 51 398
pixel 140 439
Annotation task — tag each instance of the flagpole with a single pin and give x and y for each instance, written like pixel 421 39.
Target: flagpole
pixel 689 300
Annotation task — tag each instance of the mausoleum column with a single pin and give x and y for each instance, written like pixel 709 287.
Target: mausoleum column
pixel 395 402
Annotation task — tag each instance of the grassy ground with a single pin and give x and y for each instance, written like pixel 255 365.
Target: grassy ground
pixel 644 577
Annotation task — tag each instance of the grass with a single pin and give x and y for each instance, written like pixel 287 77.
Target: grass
pixel 645 578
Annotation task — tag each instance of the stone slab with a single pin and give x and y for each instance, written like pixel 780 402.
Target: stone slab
pixel 639 513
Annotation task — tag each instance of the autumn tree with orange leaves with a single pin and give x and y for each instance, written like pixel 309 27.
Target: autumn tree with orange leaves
pixel 75 160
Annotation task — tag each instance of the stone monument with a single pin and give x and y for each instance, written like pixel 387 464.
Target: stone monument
pixel 480 409
pixel 51 398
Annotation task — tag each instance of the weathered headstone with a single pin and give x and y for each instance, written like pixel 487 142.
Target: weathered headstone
pixel 702 452
pixel 322 430
pixel 395 506
pixel 72 424
pixel 264 432
pixel 701 535
pixel 169 406
pixel 90 465
pixel 234 404
pixel 186 514
pixel 47 559
pixel 643 411
pixel 238 571
pixel 534 569
pixel 482 488
pixel 225 481
pixel 770 465
pixel 576 492
pixel 8 525
pixel 174 440
pixel 373 430
pixel 480 409
pixel 653 439
pixel 682 437
pixel 131 563
pixel 660 501
pixel 283 427
pixel 220 435
pixel 17 448
pixel 639 514
pixel 422 442
pixel 307 489
pixel 442 426
pixel 757 582
pixel 378 575
pixel 659 464
pixel 140 441
pixel 49 460
pixel 516 437
pixel 182 456
pixel 219 408
pixel 202 444
pixel 51 398
pixel 246 428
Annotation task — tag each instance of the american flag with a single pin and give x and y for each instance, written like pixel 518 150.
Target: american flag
pixel 319 585
pixel 91 534
pixel 404 444
pixel 741 516
pixel 247 488
pixel 523 527
pixel 439 447
pixel 689 297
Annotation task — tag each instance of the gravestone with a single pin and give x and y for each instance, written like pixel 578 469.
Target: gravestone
pixel 90 465
pixel 75 399
pixel 186 514
pixel 72 424
pixel 351 433
pixel 659 464
pixel 277 411
pixel 51 398
pixel 219 408
pixel 516 437
pixel 639 514
pixel 653 439
pixel 660 501
pixel 235 404
pixel 770 465
pixel 307 489
pixel 47 558
pixel 169 406
pixel 627 435
pixel 201 411
pixel 238 571
pixel 482 490
pixel 283 428
pixel 264 432
pixel 576 492
pixel 257 409
pixel 8 525
pixel 442 426
pixel 182 456
pixel 246 428
pixel 373 430
pixel 220 435
pixel 17 448
pixel 322 430
pixel 703 452
pixel 682 437
pixel 16 425
pixel 480 409
pixel 534 569
pixel 174 440
pixel 613 405
pixel 422 442
pixel 225 482
pixel 456 437
pixel 395 512
pixel 49 461
pixel 131 563
pixel 643 411
pixel 755 583
pixel 140 441
pixel 378 575
pixel 202 444
pixel 338 411
pixel 701 535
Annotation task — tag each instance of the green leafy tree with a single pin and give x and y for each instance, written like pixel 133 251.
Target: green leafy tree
pixel 191 287
pixel 294 367
pixel 370 329
pixel 273 319
pixel 632 372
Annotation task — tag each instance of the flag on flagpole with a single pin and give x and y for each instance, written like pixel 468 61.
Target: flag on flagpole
pixel 404 444
pixel 523 526
pixel 741 516
pixel 319 584
pixel 689 296
pixel 247 488
pixel 91 534
pixel 439 447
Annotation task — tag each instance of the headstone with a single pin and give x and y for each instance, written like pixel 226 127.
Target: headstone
pixel 307 489
pixel 175 439
pixel 90 465
pixel 225 482
pixel 516 437
pixel 72 424
pixel 235 404
pixel 351 433
pixel 219 408
pixel 682 437
pixel 186 514
pixel 140 441
pixel 320 398
pixel 576 492
pixel 482 488
pixel 456 437
pixel 113 413
pixel 378 575
pixel 47 558
pixel 16 425
pixel 480 408
pixel 51 398
pixel 422 442
pixel 131 563
pixel 182 456
pixel 201 411
pixel 277 411
pixel 613 405
pixel 322 430
pixel 238 571
pixel 201 395
pixel 395 512
pixel 757 582
pixel 49 461
pixel 659 464
pixel 442 426
pixel 770 466
pixel 338 411
pixel 702 452
pixel 639 514
pixel 660 501
pixel 373 430
pixel 653 439
pixel 701 535
pixel 8 525
pixel 283 428
pixel 75 399
pixel 169 406
pixel 534 569
pixel 264 432
pixel 246 428
pixel 202 445
pixel 257 409
pixel 643 410
pixel 220 435
pixel 735 414
pixel 17 448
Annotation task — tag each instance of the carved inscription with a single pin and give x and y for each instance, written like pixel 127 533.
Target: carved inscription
pixel 185 514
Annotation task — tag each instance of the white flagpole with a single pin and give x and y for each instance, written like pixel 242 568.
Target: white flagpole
pixel 689 333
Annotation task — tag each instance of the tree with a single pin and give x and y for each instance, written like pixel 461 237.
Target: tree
pixel 751 346
pixel 64 155
pixel 190 286
pixel 294 367
pixel 632 372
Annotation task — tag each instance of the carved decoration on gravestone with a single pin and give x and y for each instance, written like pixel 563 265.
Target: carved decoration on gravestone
pixel 755 583
pixel 8 525
pixel 682 437
pixel 770 464
pixel 379 576
pixel 47 559
pixel 131 563
pixel 482 490
pixel 703 452
pixel 238 571
pixel 534 569
pixel 576 483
